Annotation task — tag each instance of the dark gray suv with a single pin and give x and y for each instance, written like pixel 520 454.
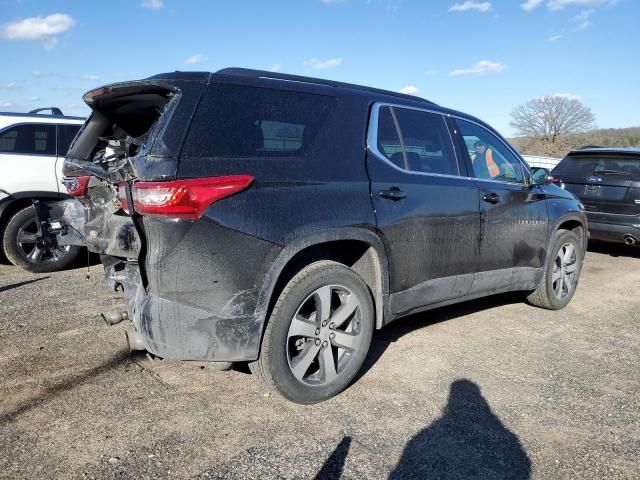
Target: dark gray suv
pixel 280 220
pixel 607 181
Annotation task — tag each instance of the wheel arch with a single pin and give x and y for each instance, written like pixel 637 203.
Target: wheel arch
pixel 360 249
pixel 573 221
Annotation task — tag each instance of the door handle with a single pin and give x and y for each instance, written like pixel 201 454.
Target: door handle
pixel 491 198
pixel 393 194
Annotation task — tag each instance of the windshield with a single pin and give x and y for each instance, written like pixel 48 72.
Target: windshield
pixel 599 164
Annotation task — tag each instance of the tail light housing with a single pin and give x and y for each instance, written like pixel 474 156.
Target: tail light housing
pixel 76 186
pixel 555 180
pixel 182 198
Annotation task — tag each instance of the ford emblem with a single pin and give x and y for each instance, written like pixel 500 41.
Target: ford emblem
pixel 593 179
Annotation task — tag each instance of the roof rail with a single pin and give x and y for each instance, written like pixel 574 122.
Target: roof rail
pixel 54 110
pixel 246 72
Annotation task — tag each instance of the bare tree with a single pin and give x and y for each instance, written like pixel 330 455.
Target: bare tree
pixel 550 118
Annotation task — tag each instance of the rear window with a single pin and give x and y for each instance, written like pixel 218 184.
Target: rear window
pixel 599 165
pixel 245 122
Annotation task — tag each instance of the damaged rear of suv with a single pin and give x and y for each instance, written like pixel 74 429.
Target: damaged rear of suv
pixel 279 220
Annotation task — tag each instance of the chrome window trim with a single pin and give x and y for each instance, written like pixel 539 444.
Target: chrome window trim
pixel 372 144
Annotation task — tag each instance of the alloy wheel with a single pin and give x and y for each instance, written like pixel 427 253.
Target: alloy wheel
pixel 34 249
pixel 564 272
pixel 324 334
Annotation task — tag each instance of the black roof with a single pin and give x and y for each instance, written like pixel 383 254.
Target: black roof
pixel 631 151
pixel 266 75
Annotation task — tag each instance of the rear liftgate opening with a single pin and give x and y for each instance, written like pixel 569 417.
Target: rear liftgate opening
pixel 106 157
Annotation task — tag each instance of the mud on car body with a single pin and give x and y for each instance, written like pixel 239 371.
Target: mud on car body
pixel 279 220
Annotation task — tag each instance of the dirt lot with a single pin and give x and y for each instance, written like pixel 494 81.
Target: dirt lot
pixel 488 389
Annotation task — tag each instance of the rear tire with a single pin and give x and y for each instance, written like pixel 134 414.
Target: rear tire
pixel 318 334
pixel 561 273
pixel 23 250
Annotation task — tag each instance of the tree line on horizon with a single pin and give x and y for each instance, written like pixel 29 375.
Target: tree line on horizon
pixel 554 125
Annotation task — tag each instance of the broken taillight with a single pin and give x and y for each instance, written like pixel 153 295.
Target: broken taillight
pixel 76 186
pixel 184 198
pixel 122 198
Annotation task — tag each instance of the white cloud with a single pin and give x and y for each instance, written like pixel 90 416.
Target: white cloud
pixel 42 29
pixel 570 96
pixel 4 104
pixel 555 38
pixel 480 68
pixel 332 1
pixel 152 4
pixel 470 5
pixel 9 86
pixel 194 59
pixel 317 64
pixel 530 5
pixel 34 99
pixel 275 67
pixel 560 4
pixel 582 20
pixel 430 73
pixel 39 74
pixel 409 90
pixel 90 77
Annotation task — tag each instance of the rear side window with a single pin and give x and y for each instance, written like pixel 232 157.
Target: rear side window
pixel 29 139
pixel 416 141
pixel 238 121
pixel 599 165
pixel 66 134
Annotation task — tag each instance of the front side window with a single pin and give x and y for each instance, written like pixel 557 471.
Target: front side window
pixel 416 141
pixel 29 140
pixel 247 122
pixel 490 158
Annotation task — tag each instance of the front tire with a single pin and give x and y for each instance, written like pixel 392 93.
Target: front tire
pixel 23 248
pixel 562 271
pixel 318 334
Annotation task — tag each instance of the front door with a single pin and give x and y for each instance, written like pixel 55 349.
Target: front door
pixel 426 207
pixel 513 214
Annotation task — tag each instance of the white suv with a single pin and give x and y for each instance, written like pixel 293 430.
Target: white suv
pixel 32 150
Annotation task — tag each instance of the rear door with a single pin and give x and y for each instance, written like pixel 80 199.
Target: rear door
pixel 28 158
pixel 513 215
pixel 426 207
pixel 606 184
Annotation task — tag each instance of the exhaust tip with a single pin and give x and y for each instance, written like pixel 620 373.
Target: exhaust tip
pixel 630 240
pixel 114 317
pixel 134 340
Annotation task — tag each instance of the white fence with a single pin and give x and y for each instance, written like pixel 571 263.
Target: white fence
pixel 546 162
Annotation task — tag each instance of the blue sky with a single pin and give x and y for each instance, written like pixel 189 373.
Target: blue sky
pixel 481 57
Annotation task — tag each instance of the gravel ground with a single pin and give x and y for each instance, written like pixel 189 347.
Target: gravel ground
pixel 487 389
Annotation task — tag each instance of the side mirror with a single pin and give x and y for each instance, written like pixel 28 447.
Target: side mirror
pixel 540 176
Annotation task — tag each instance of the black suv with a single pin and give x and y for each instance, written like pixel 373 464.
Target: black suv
pixel 607 181
pixel 279 220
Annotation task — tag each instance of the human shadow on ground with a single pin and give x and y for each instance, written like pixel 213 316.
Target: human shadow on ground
pixel 334 464
pixel 467 442
pixel 391 333
pixel 614 249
